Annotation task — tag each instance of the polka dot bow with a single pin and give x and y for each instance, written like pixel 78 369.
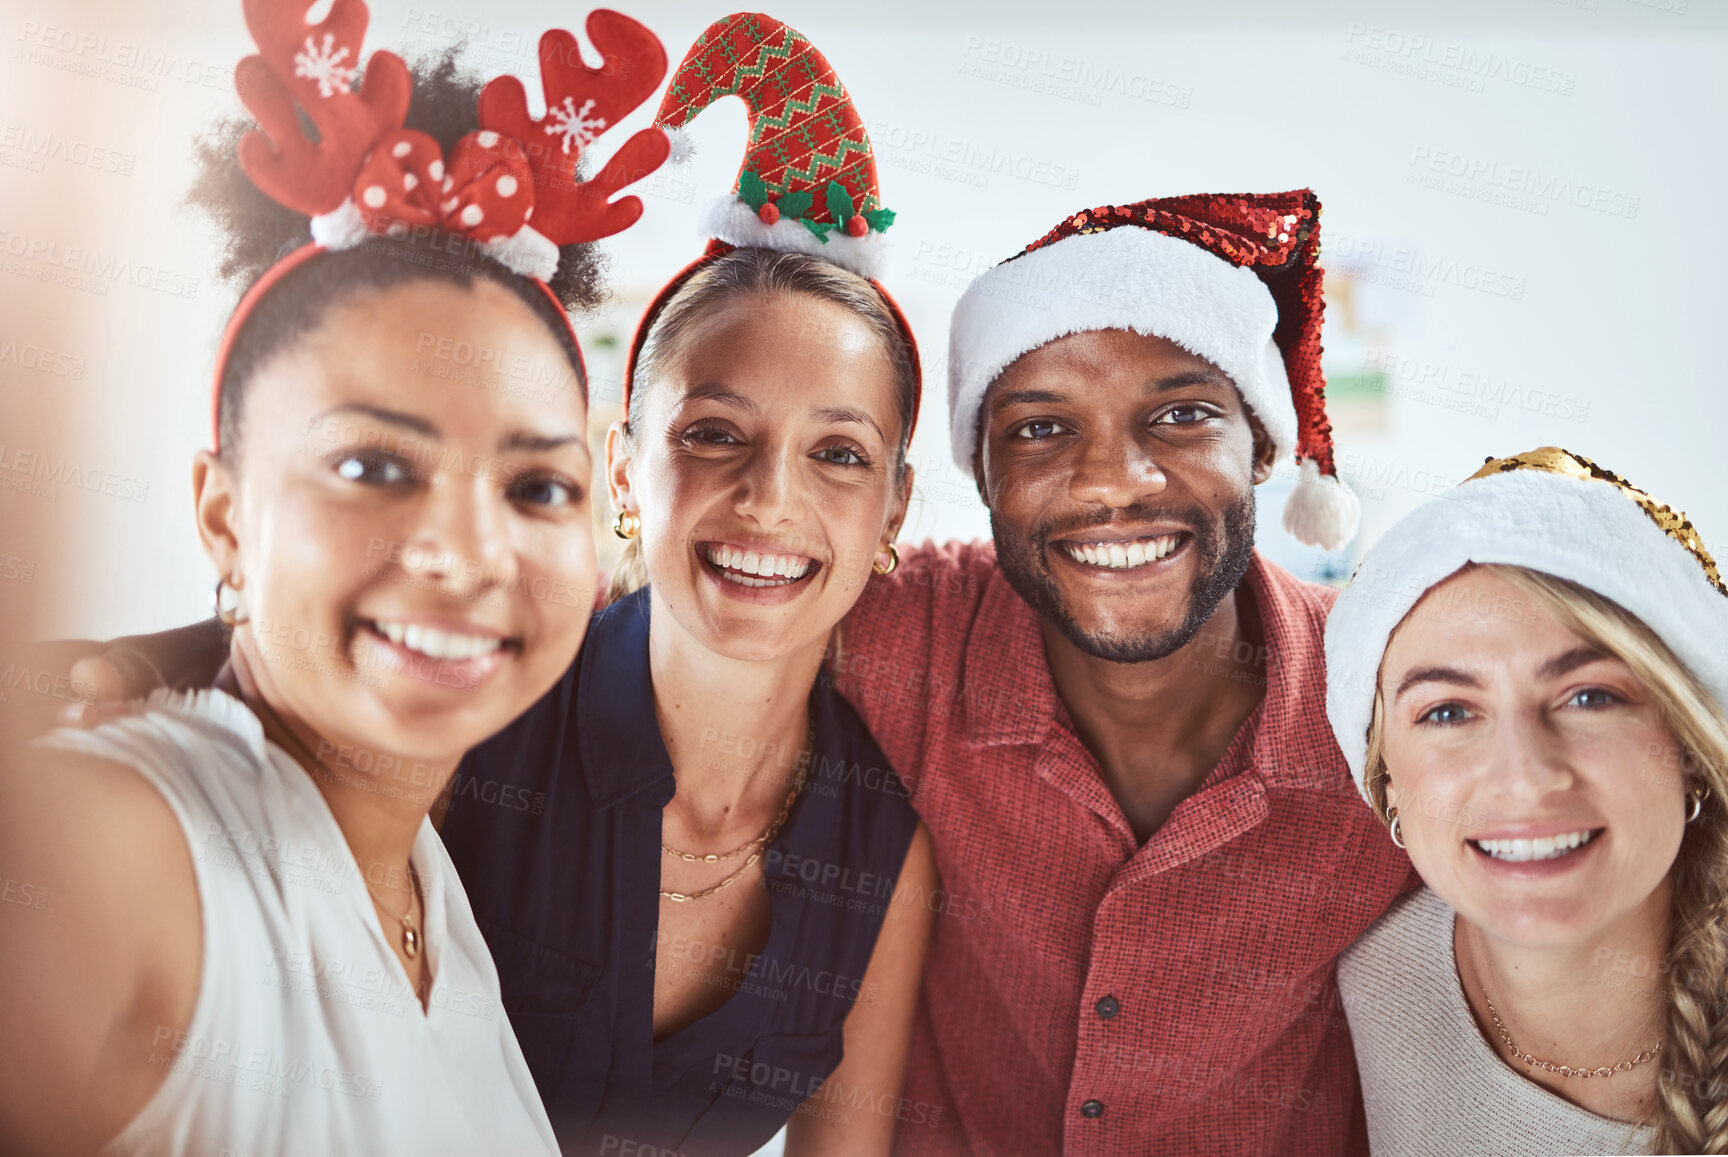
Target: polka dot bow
pixel 511 186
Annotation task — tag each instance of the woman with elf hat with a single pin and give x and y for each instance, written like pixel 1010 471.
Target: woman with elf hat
pixel 720 918
pixel 1528 679
pixel 253 940
pixel 703 885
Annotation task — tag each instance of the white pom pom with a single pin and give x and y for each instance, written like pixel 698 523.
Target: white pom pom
pixel 341 228
pixel 527 251
pixel 683 144
pixel 1322 511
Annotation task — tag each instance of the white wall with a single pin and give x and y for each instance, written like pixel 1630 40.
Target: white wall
pixel 991 121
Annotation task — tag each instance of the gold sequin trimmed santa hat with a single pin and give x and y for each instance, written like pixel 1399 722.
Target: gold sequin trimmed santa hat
pixel 1546 510
pixel 1232 278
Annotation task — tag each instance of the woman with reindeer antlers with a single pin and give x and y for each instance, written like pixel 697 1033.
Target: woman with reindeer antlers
pixel 254 941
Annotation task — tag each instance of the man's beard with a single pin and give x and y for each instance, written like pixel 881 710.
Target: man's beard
pixel 1224 548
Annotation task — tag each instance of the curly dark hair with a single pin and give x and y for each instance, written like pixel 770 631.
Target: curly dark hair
pixel 256 232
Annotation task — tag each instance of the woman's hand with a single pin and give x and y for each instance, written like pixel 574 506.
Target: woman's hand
pixel 106 694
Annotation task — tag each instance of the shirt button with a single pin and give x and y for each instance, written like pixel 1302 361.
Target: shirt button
pixel 1107 1007
pixel 1092 1109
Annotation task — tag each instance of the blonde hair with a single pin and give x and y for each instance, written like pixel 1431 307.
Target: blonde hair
pixel 629 573
pixel 1691 1114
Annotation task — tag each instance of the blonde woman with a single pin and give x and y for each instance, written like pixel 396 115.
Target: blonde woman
pixel 1527 678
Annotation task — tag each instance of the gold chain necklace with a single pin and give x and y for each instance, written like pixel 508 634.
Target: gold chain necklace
pixel 410 934
pixel 760 842
pixel 1563 1070
pixel 411 938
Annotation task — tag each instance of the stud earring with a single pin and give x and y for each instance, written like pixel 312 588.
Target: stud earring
pixel 627 525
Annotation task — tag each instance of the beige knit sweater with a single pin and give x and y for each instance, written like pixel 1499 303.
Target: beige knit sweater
pixel 1430 1082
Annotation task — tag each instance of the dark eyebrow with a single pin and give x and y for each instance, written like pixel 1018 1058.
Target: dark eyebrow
pixel 1570 661
pixel 848 414
pixel 1179 381
pixel 394 417
pixel 725 395
pixel 1435 675
pixel 1193 378
pixel 1028 397
pixel 537 443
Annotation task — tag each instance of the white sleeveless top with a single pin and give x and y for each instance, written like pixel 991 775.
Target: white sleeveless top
pixel 307 1037
pixel 1430 1083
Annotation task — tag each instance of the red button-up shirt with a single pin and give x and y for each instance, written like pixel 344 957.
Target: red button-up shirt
pixel 1085 993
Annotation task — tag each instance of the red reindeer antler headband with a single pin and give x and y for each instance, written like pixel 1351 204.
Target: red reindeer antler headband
pixel 511 186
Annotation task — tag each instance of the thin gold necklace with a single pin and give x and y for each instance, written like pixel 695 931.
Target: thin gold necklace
pixel 757 844
pixel 1564 1070
pixel 411 938
pixel 410 934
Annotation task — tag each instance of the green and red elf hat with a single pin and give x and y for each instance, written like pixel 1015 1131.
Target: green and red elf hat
pixel 1233 278
pixel 808 182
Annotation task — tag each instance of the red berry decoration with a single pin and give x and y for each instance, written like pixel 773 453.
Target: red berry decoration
pixel 857 226
pixel 769 212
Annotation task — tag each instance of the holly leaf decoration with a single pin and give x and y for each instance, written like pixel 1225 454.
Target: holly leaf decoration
pixel 796 203
pixel 751 190
pixel 820 228
pixel 879 219
pixel 839 204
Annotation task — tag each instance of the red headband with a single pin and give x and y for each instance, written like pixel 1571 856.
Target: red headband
pixel 366 175
pixel 718 249
pixel 268 280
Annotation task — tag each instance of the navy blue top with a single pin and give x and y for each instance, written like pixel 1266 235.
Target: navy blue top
pixel 555 829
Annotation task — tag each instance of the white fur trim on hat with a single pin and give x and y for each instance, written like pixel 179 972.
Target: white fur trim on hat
pixel 527 251
pixel 1579 529
pixel 730 220
pixel 1123 278
pixel 342 227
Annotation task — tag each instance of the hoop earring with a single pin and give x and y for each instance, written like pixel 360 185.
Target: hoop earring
pixel 1395 827
pixel 893 562
pixel 627 525
pixel 230 615
pixel 1695 802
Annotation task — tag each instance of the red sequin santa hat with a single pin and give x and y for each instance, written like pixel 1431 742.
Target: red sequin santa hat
pixel 808 181
pixel 510 187
pixel 1235 279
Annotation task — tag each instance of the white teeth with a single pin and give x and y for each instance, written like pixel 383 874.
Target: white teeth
pixel 1521 851
pixel 771 567
pixel 435 644
pixel 1122 556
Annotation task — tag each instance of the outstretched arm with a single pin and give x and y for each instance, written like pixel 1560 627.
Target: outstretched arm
pixel 100 949
pixel 856 1109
